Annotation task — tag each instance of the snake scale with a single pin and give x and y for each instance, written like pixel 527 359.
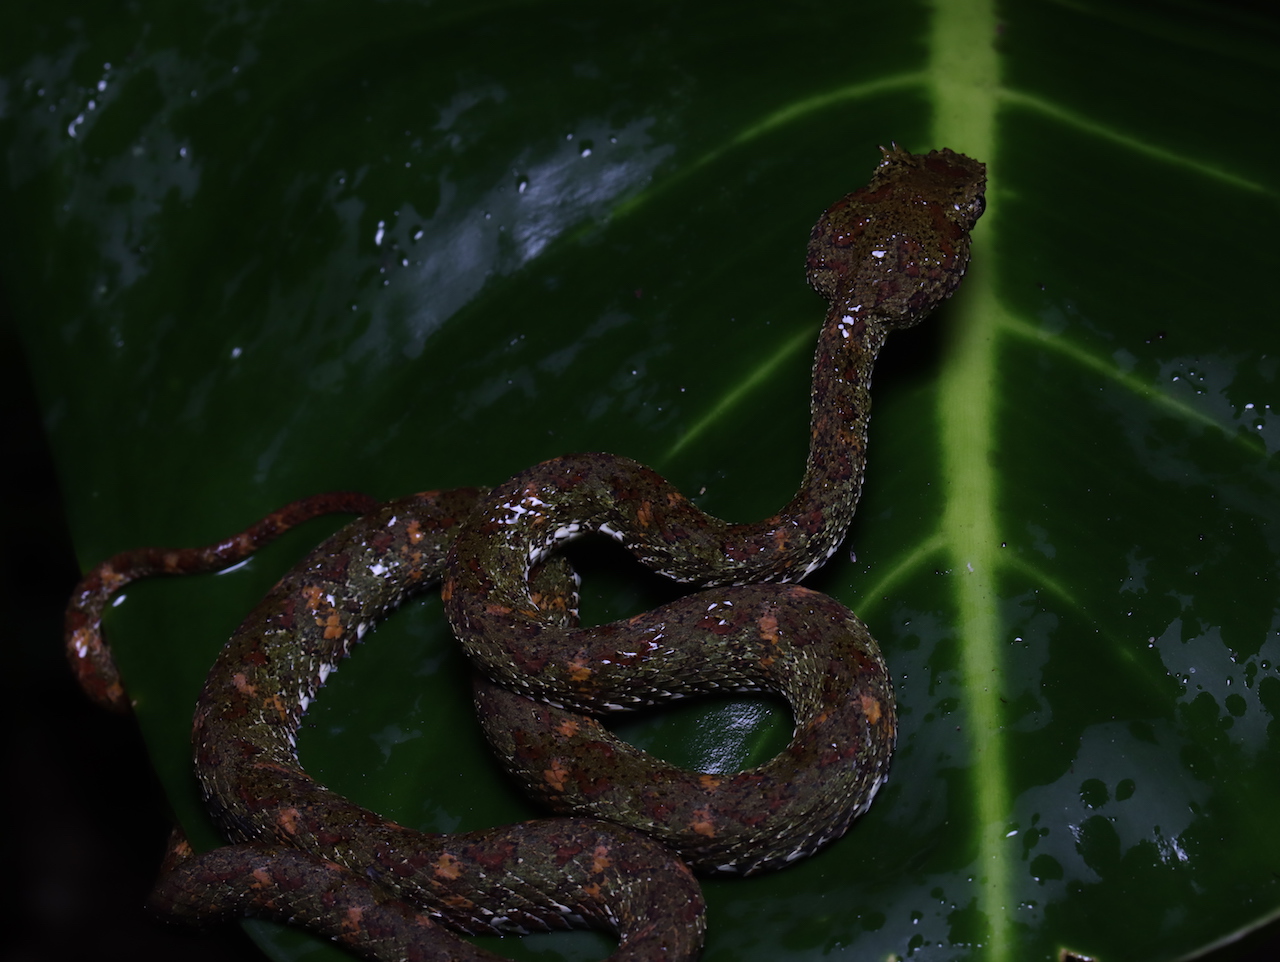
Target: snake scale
pixel 619 858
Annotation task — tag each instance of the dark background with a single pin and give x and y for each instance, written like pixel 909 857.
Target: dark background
pixel 85 820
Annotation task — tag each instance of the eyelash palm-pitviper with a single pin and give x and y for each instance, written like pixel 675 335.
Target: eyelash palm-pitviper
pixel 883 257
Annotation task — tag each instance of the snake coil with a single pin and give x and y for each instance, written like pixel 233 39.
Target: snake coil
pixel 883 257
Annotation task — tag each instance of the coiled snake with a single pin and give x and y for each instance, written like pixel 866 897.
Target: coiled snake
pixel 883 257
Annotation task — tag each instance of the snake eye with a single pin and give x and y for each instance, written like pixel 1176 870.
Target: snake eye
pixel 968 210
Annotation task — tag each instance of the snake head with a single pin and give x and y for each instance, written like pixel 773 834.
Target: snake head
pixel 898 247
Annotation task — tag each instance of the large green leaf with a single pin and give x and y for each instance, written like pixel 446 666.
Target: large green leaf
pixel 261 249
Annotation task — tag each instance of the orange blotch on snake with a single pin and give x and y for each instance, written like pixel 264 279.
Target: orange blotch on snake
pixel 702 824
pixel 556 775
pixel 287 821
pixel 277 704
pixel 312 595
pixel 448 867
pixel 332 626
pixel 600 859
pixel 769 629
pixel 354 917
pixel 242 684
pixel 871 708
pixel 112 580
pixel 549 602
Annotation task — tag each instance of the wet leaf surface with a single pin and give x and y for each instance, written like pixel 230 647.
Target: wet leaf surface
pixel 258 250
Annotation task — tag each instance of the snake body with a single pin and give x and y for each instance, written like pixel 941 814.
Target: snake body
pixel 883 257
